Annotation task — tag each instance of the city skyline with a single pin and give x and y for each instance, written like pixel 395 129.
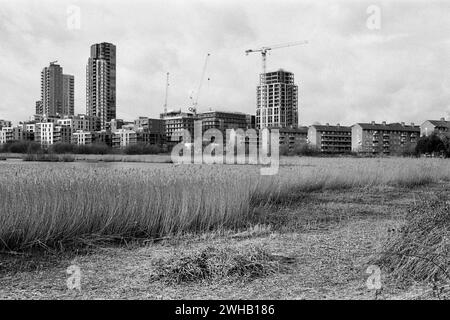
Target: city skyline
pixel 347 73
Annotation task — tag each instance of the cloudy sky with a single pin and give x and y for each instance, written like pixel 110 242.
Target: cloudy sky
pixel 356 67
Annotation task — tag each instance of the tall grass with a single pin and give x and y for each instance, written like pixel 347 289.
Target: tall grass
pixel 52 204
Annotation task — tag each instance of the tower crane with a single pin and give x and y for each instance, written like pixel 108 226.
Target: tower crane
pixel 195 102
pixel 167 92
pixel 264 50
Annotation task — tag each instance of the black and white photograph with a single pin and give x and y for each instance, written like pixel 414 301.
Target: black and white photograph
pixel 224 156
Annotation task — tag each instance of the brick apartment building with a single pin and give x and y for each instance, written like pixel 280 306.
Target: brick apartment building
pixel 330 139
pixel 383 138
pixel 435 126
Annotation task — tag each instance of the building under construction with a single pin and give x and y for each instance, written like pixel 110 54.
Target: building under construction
pixel 277 100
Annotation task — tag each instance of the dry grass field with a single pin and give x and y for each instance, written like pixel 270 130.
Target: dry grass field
pixel 152 231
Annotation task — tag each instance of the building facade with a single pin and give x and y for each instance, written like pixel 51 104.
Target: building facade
pixel 57 92
pixel 330 139
pixel 51 90
pixel 68 107
pixel 10 134
pixel 28 131
pixel 47 133
pixel 223 120
pixel 435 126
pixel 277 100
pixel 383 138
pixel 293 136
pixel 80 122
pixel 123 138
pixel 39 108
pixel 5 123
pixel 101 83
pixel 175 122
pixel 81 137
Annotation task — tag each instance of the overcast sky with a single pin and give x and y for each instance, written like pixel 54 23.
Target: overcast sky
pixel 355 68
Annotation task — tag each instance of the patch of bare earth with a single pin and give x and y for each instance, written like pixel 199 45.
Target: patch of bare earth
pixel 331 237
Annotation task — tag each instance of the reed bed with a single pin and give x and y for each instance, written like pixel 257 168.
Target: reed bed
pixel 56 204
pixel 420 250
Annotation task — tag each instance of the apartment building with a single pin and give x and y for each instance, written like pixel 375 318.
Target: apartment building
pixel 175 122
pixel 277 100
pixel 148 137
pixel 39 107
pixel 384 138
pixel 114 124
pixel 101 83
pixel 293 136
pixel 5 123
pixel 6 135
pixel 81 137
pixel 68 106
pixel 46 133
pixel 57 92
pixel 80 122
pixel 123 138
pixel 28 131
pixel 10 134
pixel 150 125
pixel 102 137
pixel 441 126
pixel 224 120
pixel 150 131
pixel 330 139
pixel 251 121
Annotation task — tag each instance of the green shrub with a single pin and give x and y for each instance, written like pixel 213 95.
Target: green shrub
pixel 96 148
pixel 433 144
pixel 45 157
pixel 60 148
pixel 21 147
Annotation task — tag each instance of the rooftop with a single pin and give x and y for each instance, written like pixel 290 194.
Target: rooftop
pixel 440 123
pixel 332 128
pixel 389 126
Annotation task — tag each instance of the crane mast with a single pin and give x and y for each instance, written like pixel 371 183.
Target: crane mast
pixel 195 102
pixel 167 92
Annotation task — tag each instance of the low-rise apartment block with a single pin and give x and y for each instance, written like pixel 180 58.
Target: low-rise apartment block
pixel 330 139
pixel 5 123
pixel 10 134
pixel 293 136
pixel 80 122
pixel 175 122
pixel 223 120
pixel 435 126
pixel 383 138
pixel 123 138
pixel 81 137
pixel 102 137
pixel 28 131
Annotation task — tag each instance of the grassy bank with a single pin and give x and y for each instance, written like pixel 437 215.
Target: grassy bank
pixel 61 204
